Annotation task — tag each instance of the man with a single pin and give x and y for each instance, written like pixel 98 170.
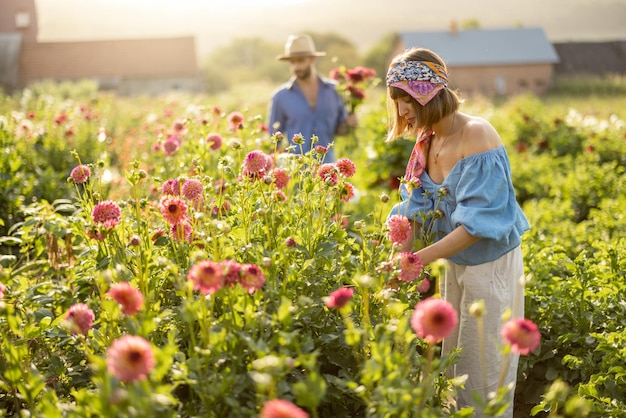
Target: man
pixel 308 104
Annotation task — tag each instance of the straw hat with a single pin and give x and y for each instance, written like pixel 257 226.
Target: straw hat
pixel 300 46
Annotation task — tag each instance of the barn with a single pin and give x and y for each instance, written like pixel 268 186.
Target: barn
pixel 490 62
pixel 129 66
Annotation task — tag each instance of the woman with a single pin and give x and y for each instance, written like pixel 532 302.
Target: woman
pixel 459 167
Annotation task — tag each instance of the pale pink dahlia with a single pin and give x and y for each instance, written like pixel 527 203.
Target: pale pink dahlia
pixel 433 319
pixel 173 210
pixel 192 189
pixel 80 318
pixel 107 213
pixel 281 178
pixel 346 167
pixel 251 277
pixel 328 173
pixel 424 285
pixel 522 334
pixel 214 140
pixel 207 276
pixel 280 408
pixel 255 162
pixel 235 120
pixel 130 358
pixel 410 266
pixel 321 150
pixel 127 296
pixel 171 145
pixel 347 192
pixel 80 173
pixel 232 271
pixel 399 228
pixel 171 187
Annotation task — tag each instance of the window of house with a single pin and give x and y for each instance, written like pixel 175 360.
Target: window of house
pixel 500 85
pixel 22 20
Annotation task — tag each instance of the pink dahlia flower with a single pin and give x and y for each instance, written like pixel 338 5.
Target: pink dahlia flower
pixel 280 408
pixel 235 120
pixel 424 285
pixel 399 228
pixel 522 334
pixel 321 150
pixel 107 213
pixel 347 192
pixel 127 296
pixel 410 266
pixel 80 318
pixel 433 319
pixel 281 178
pixel 232 271
pixel 192 189
pixel 173 210
pixel 328 173
pixel 80 173
pixel 171 145
pixel 171 187
pixel 251 277
pixel 215 141
pixel 339 298
pixel 130 358
pixel 346 167
pixel 207 276
pixel 255 162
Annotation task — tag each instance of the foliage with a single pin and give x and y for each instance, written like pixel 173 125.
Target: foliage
pixel 35 138
pixel 610 85
pixel 222 353
pixel 254 59
pixel 379 55
pixel 227 353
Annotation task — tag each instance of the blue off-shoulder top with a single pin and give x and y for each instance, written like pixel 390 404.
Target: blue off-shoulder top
pixel 478 194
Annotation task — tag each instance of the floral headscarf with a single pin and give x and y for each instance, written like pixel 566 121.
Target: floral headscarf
pixel 421 79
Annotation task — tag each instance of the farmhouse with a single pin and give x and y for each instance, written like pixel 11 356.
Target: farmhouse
pixel 490 62
pixel 609 58
pixel 134 66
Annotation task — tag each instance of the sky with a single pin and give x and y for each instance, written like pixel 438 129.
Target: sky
pixel 215 23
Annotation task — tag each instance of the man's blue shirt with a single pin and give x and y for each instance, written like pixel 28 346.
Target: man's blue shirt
pixel 291 114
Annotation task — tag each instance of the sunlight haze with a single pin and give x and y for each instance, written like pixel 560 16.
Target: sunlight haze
pixel 363 22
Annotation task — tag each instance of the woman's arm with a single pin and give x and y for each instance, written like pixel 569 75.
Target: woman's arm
pixel 454 242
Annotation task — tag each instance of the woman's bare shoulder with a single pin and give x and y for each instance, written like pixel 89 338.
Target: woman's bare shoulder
pixel 478 135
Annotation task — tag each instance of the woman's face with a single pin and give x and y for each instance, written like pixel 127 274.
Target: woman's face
pixel 406 110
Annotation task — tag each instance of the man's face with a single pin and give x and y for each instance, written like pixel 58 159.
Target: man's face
pixel 301 67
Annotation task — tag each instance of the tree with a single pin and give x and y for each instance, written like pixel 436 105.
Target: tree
pixel 379 55
pixel 254 59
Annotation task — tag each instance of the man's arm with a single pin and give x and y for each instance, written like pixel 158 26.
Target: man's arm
pixel 350 122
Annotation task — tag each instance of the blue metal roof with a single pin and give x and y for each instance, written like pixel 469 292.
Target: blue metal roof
pixel 474 47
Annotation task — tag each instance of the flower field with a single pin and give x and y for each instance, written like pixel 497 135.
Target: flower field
pixel 160 258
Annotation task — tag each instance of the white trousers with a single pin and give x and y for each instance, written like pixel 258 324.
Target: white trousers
pixel 498 284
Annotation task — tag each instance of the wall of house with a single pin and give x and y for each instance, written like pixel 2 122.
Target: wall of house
pixel 502 80
pixel 19 16
pixel 101 59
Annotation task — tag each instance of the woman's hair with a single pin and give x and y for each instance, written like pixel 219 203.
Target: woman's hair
pixel 443 104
